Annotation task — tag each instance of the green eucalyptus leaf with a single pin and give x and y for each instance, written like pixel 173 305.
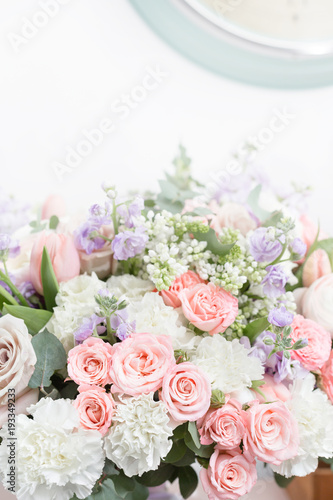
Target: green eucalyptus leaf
pixel 35 319
pixel 157 477
pixel 177 452
pixel 213 243
pixel 255 328
pixel 49 281
pixel 51 356
pixel 192 429
pixel 180 431
pixel 253 202
pixel 282 481
pixel 188 481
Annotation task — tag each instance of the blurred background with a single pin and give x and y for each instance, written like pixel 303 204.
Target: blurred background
pixel 97 65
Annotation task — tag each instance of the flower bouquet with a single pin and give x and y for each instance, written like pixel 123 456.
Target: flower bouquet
pixel 189 325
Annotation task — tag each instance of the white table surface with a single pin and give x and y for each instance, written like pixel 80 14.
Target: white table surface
pixel 66 77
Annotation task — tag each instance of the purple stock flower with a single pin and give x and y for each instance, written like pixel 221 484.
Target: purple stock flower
pixel 132 212
pixel 264 247
pixel 280 317
pixel 121 325
pixel 299 247
pixel 262 351
pixel 129 243
pixel 83 239
pixel 8 247
pixel 274 282
pixel 88 326
pixel 100 215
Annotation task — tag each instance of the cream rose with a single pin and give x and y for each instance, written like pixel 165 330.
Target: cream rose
pixel 17 356
pixel 233 215
pixel 317 303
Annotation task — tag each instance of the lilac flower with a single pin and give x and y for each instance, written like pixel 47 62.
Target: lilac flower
pixel 84 240
pixel 8 247
pixel 100 215
pixel 263 246
pixel 274 282
pixel 132 212
pixel 129 243
pixel 88 326
pixel 299 247
pixel 13 213
pixel 121 325
pixel 280 317
pixel 262 351
pixel 288 369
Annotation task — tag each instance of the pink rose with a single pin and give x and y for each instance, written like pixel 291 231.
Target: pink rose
pixel 272 432
pixel 318 350
pixel 64 257
pixel 309 231
pixel 317 265
pixel 225 426
pixel 140 362
pixel 96 408
pixel 209 307
pixel 317 303
pixel 186 280
pixel 235 216
pixel 54 205
pixel 90 362
pixel 186 391
pixel 273 391
pixel 229 476
pixel 327 377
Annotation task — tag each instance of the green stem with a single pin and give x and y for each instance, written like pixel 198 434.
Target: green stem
pixel 5 268
pixel 13 288
pixel 114 218
pixel 7 296
pixel 110 337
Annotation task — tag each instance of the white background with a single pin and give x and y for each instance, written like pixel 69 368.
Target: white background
pixel 66 77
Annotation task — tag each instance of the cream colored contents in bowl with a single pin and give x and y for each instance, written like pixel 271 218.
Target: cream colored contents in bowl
pixel 302 20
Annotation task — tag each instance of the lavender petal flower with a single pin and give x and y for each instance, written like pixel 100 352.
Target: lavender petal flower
pixel 263 246
pixel 129 243
pixel 274 282
pixel 88 326
pixel 84 240
pixel 131 213
pixel 298 247
pixel 280 317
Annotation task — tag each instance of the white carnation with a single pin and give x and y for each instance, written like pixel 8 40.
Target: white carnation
pixel 314 414
pixel 55 458
pixel 140 436
pixel 78 294
pixel 129 286
pixel 227 364
pixel 151 315
pixel 75 301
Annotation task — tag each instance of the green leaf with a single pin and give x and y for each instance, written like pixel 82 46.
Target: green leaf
pixel 253 202
pixel 187 459
pixel 35 319
pixel 177 452
pixel 49 281
pixel 105 491
pixel 188 481
pixel 282 481
pixel 192 429
pixel 326 245
pixel 180 431
pixel 6 297
pixel 109 468
pixel 204 451
pixel 171 206
pixel 213 243
pixel 150 203
pixel 54 221
pixel 51 356
pixel 255 328
pixel 273 219
pixel 157 477
pixel 123 484
pixel 140 492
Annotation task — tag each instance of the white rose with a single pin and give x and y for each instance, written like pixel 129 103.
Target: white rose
pixel 17 356
pixel 317 302
pixel 140 435
pixel 235 216
pixel 63 324
pixel 55 458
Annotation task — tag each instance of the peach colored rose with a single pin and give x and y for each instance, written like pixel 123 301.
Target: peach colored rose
pixel 309 231
pixel 64 257
pixel 273 391
pixel 17 357
pixel 53 205
pixel 272 432
pixel 186 391
pixel 235 216
pixel 186 280
pixel 326 373
pixel 225 426
pixel 90 362
pixel 209 307
pixel 140 362
pixel 96 408
pixel 317 265
pixel 318 350
pixel 229 476
pixel 317 303
pixel 25 398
